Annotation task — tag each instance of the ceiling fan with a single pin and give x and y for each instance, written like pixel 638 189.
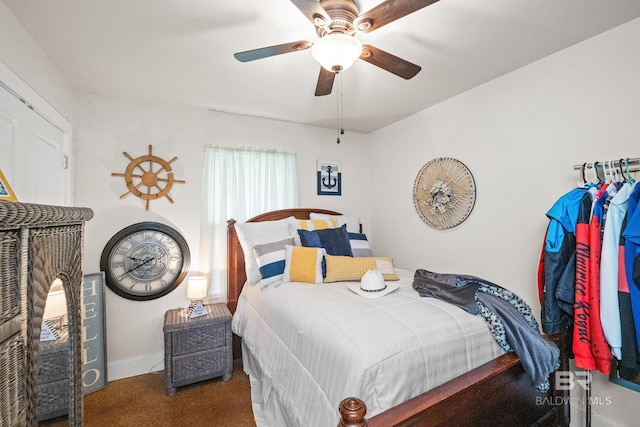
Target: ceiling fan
pixel 337 22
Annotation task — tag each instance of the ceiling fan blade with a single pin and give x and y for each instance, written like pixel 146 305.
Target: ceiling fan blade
pixel 265 52
pixel 325 82
pixel 313 11
pixel 389 62
pixel 387 12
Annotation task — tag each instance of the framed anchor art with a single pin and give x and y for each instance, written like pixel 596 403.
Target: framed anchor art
pixel 329 176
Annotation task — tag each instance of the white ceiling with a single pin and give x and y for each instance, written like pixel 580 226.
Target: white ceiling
pixel 181 51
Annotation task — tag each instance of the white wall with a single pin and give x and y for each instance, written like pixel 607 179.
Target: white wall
pixel 520 136
pixel 20 53
pixel 105 128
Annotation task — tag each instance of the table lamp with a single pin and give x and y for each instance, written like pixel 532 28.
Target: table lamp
pixel 196 289
pixel 56 306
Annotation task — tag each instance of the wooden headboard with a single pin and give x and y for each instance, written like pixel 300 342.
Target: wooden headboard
pixel 236 274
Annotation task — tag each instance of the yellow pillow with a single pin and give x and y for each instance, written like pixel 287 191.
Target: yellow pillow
pixel 345 268
pixel 317 224
pixel 303 264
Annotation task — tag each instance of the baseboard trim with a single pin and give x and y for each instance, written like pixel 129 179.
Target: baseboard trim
pixel 133 367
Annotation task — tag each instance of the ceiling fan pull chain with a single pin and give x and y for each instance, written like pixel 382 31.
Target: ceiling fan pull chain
pixel 340 109
pixel 338 101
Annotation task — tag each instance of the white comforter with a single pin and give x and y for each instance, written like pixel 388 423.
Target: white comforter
pixel 307 347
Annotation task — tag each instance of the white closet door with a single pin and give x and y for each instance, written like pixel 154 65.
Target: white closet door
pixel 46 146
pixel 13 127
pixel 34 154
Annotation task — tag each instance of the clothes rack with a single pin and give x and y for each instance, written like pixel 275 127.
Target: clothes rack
pixel 604 170
pixel 622 166
pixel 632 162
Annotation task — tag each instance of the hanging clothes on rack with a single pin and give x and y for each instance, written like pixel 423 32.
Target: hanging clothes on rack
pixel 629 295
pixel 593 237
pixel 581 342
pixel 589 273
pixel 599 346
pixel 610 269
pixel 557 263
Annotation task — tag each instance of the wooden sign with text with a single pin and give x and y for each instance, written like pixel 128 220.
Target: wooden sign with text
pixel 94 352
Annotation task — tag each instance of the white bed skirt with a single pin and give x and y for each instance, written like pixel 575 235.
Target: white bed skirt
pixel 267 408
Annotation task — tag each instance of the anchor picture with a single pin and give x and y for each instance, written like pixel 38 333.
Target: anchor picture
pixel 329 177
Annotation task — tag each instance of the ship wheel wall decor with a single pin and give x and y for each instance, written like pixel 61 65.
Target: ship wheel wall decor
pixel 149 177
pixel 444 193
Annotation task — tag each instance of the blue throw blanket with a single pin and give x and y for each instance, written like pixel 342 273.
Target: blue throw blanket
pixel 509 318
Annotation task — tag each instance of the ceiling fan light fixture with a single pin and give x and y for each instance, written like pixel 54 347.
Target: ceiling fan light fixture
pixel 336 51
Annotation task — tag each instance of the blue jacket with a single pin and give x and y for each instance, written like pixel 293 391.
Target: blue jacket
pixel 558 261
pixel 631 235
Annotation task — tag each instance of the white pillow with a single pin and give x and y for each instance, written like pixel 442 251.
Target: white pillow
pixel 256 233
pixel 352 220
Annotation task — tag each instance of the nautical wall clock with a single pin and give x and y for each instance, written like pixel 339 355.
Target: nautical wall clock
pixel 145 261
pixel 149 177
pixel 444 193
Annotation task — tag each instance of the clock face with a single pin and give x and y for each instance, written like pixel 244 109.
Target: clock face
pixel 145 261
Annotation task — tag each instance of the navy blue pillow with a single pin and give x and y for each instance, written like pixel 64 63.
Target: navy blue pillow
pixel 334 240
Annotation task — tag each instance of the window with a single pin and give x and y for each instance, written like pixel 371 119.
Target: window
pixel 239 183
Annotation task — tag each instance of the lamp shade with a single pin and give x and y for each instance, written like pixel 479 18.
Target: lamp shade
pixel 336 51
pixel 197 287
pixel 56 304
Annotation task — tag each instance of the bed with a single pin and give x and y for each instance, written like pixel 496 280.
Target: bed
pixel 308 352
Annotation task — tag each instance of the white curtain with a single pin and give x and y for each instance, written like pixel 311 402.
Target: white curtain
pixel 239 183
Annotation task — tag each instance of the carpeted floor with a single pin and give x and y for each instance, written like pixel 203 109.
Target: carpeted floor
pixel 142 401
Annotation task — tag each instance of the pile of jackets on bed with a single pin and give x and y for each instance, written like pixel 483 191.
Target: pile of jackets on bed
pixel 509 318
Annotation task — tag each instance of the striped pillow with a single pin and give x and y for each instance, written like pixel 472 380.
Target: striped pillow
pixel 352 220
pixel 303 264
pixel 257 233
pixel 360 245
pixel 317 224
pixel 270 259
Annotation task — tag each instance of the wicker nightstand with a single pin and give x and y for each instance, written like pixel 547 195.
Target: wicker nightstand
pixel 197 349
pixel 53 377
